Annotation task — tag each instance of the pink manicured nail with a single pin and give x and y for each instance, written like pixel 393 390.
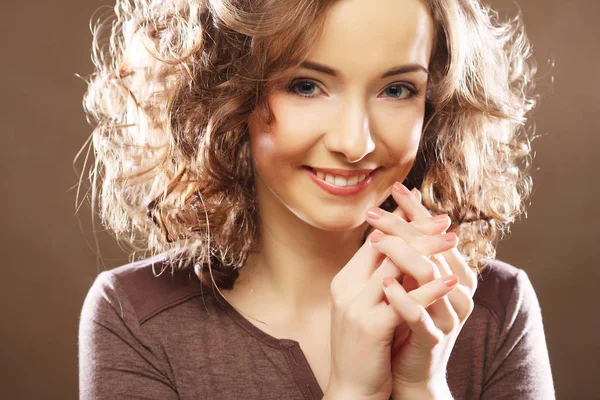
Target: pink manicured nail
pixel 374 213
pixel 376 237
pixel 400 188
pixel 387 281
pixel 451 280
pixel 440 218
pixel 449 237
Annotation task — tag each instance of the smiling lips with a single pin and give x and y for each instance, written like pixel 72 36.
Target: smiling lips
pixel 341 182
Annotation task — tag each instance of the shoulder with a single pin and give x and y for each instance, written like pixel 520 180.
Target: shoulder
pixel 144 288
pixel 504 290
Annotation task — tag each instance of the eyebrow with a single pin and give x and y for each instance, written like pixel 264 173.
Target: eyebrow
pixel 402 69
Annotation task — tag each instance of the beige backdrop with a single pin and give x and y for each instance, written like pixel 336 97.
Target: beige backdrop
pixel 49 261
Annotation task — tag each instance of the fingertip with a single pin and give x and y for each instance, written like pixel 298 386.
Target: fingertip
pixel 417 193
pixel 387 282
pixel 450 237
pixel 450 281
pixel 376 237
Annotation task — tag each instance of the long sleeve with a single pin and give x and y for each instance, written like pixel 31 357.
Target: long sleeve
pixel 520 368
pixel 116 359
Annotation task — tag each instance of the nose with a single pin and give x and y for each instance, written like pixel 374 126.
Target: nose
pixel 350 133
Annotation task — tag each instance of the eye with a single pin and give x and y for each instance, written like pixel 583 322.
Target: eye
pixel 303 87
pixel 307 87
pixel 401 91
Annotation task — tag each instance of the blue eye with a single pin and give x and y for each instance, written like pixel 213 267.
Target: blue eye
pixel 401 91
pixel 304 88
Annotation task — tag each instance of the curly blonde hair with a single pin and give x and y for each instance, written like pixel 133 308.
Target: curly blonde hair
pixel 176 82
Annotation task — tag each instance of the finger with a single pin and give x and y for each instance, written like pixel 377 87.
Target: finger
pixel 419 212
pixel 409 202
pixel 410 307
pixel 417 193
pixel 442 312
pixel 409 261
pixel 350 280
pixel 371 294
pixel 460 299
pixel 422 244
pixel 392 224
pixel 407 264
pixel 435 225
pixel 412 205
pixel 459 267
pixel 456 305
pixel 462 302
pixel 360 268
pixel 407 258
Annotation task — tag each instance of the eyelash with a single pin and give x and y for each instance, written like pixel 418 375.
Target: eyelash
pixel 411 89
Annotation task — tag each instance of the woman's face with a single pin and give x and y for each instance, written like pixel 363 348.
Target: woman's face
pixel 349 109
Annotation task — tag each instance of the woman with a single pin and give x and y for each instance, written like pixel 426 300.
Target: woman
pixel 262 142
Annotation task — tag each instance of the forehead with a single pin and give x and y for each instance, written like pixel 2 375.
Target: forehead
pixel 364 36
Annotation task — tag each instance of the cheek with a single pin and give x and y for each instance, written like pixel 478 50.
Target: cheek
pixel 288 138
pixel 402 134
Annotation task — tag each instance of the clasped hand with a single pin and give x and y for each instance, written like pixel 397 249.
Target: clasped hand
pixel 424 340
pixel 406 331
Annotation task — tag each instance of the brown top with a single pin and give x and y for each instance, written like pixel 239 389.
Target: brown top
pixel 169 337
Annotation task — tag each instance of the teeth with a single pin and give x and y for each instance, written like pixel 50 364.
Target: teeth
pixel 340 180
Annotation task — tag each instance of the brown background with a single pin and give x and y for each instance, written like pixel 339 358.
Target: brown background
pixel 49 261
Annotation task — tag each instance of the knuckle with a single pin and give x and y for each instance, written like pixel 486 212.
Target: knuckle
pixel 396 220
pixel 418 239
pixel 419 317
pixel 466 310
pixel 360 323
pixel 426 272
pixel 337 295
pixel 471 280
pixel 366 329
pixel 352 314
pixel 469 308
pixel 425 226
pixel 335 288
pixel 435 338
pixel 387 268
pixel 465 303
pixel 336 301
pixel 453 323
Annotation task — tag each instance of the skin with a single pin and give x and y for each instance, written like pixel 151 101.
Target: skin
pixel 356 120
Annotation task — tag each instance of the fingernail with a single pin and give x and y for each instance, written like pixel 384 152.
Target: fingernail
pixel 387 281
pixel 450 280
pixel 374 213
pixel 449 237
pixel 376 237
pixel 400 188
pixel 440 218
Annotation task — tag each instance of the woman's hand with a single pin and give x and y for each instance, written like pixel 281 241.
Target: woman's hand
pixel 423 344
pixel 363 325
